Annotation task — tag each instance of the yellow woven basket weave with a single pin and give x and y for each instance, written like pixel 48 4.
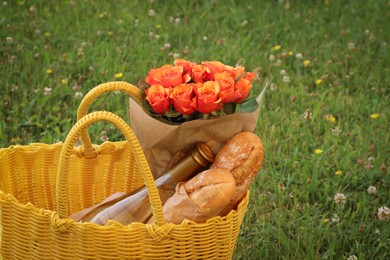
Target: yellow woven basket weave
pixel 41 184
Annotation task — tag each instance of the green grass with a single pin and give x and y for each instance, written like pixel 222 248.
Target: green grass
pixel 85 43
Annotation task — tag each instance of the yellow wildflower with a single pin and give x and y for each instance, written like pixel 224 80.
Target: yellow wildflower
pixel 101 15
pixel 119 75
pixel 287 6
pixel 374 116
pixel 158 26
pixel 47 34
pixel 318 151
pixel 290 53
pixel 338 172
pixel 64 81
pixel 306 63
pixel 110 33
pixel 318 81
pixel 49 71
pixel 326 221
pixel 276 47
pixel 330 118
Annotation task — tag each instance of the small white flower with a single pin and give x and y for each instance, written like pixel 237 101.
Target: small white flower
pixel 335 131
pixel 283 72
pixel 273 87
pixel 9 39
pixel 151 34
pixel 177 21
pixel 167 45
pixel 205 38
pixel 104 136
pixel 352 257
pixel 244 23
pixel 340 198
pixel 351 46
pixel 299 56
pixel 176 55
pixel 383 213
pixel 286 79
pixel 366 32
pixel 5 3
pixel 171 19
pixel 271 57
pixel 335 218
pixel 151 13
pixel 371 190
pixel 157 36
pixel 78 95
pixel 47 91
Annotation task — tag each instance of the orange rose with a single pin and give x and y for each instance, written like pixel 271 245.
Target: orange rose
pixel 183 99
pixel 198 73
pixel 154 76
pixel 226 83
pixel 172 76
pixel 158 98
pixel 187 65
pixel 242 89
pixel 214 66
pixel 207 97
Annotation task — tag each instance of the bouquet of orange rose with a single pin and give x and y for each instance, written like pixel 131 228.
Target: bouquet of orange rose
pixel 186 103
pixel 186 90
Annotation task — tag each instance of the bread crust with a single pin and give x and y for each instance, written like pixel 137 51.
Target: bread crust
pixel 210 190
pixel 243 156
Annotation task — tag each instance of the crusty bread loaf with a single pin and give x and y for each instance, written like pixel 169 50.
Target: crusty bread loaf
pixel 201 197
pixel 243 156
pixel 210 189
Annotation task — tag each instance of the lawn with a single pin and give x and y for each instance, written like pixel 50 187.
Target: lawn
pixel 324 189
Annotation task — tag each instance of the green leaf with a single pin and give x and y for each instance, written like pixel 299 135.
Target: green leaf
pixel 249 106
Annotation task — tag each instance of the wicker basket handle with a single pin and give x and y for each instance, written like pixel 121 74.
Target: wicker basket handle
pixel 134 92
pixel 140 161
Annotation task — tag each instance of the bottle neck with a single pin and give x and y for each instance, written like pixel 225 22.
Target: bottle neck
pixel 198 159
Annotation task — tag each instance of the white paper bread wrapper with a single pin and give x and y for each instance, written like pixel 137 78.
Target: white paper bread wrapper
pixel 161 142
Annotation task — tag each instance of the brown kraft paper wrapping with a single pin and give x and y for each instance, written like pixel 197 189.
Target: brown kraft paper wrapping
pixel 161 142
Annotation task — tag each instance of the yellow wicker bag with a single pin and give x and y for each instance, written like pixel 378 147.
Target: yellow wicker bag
pixel 41 184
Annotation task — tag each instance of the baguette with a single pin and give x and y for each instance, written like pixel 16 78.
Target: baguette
pixel 200 198
pixel 243 156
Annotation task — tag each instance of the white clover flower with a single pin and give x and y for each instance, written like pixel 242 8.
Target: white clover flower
pixel 340 198
pixel 104 136
pixel 78 95
pixel 335 218
pixel 177 21
pixel 383 213
pixel 47 91
pixel 371 190
pixel 151 34
pixel 244 23
pixel 299 56
pixel 352 257
pixel 283 72
pixel 9 39
pixel 351 46
pixel 151 13
pixel 176 55
pixel 271 57
pixel 205 38
pixel 366 32
pixel 167 45
pixel 286 79
pixel 335 131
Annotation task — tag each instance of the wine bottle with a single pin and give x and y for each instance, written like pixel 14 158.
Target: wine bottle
pixel 135 206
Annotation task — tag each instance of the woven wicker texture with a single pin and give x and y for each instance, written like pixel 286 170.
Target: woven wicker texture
pixel 40 185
